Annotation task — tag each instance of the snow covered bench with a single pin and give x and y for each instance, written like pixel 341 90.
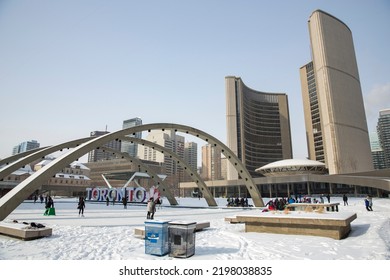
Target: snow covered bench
pixel 314 206
pixel 24 231
pixel 140 231
pixel 327 224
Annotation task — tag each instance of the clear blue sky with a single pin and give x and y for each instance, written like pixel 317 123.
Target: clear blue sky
pixel 70 67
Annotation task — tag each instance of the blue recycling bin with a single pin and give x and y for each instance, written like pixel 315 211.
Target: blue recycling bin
pixel 156 237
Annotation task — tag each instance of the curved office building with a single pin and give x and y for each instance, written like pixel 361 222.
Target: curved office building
pixel 335 118
pixel 258 125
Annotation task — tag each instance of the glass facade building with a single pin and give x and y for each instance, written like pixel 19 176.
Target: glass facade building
pixel 127 146
pixel 383 130
pixel 25 146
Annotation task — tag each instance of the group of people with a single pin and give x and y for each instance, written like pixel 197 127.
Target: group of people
pixel 272 205
pixel 277 204
pixel 243 202
pixel 280 203
pixel 41 198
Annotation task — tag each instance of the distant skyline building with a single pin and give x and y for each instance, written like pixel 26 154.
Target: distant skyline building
pixel 335 119
pixel 211 163
pixel 383 130
pixel 98 154
pixel 378 155
pixel 169 140
pixel 127 146
pixel 190 157
pixel 191 154
pixel 25 146
pixel 258 126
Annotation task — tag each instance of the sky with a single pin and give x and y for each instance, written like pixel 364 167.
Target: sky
pixel 107 233
pixel 71 67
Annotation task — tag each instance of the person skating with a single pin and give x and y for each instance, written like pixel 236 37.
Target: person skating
pixel 81 206
pixel 151 209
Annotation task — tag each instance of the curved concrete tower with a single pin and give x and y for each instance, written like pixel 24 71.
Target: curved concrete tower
pixel 342 129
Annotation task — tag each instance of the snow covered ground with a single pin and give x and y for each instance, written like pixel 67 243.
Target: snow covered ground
pixel 107 233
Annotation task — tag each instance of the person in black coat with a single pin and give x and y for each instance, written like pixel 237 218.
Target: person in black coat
pixel 345 199
pixel 124 201
pixel 81 206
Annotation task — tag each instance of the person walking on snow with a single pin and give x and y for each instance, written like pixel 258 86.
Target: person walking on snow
pixel 345 199
pixel 369 203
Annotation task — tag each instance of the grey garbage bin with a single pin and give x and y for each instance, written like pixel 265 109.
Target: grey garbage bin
pixel 181 239
pixel 156 237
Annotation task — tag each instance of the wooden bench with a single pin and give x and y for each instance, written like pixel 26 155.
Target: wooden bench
pixel 23 231
pixel 315 206
pixel 327 224
pixel 140 231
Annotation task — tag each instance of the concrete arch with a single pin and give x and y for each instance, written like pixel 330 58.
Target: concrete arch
pixel 25 158
pixel 162 186
pixel 16 196
pixel 8 160
pixel 192 173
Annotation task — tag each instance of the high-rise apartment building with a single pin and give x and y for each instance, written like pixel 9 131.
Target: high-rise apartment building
pixel 169 140
pixel 191 158
pixel 127 146
pixel 383 130
pixel 336 126
pixel 98 154
pixel 191 154
pixel 211 162
pixel 258 126
pixel 25 146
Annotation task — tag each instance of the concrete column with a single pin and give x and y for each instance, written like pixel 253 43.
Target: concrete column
pixel 288 190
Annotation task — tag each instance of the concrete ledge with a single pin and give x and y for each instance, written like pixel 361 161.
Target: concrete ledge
pixel 329 224
pixel 140 231
pixel 232 220
pixel 202 225
pixel 23 231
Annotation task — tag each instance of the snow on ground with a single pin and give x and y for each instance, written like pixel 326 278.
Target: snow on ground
pixel 107 233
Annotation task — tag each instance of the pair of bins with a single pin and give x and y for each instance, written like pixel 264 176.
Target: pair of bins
pixel 175 238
